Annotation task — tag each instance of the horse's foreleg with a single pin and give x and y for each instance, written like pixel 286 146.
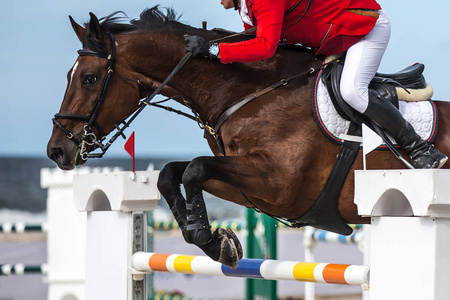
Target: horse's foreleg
pixel 221 245
pixel 169 182
pixel 193 179
pixel 220 242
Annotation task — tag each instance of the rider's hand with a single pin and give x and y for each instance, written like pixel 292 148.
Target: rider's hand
pixel 197 45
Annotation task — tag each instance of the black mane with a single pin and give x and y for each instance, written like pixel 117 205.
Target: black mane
pixel 151 18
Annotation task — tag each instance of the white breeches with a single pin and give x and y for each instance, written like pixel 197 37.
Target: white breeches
pixel 362 62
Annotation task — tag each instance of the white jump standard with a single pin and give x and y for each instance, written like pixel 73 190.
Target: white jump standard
pixel 410 232
pixel 116 228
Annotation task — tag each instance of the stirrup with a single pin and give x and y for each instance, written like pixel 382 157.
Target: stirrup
pixel 431 158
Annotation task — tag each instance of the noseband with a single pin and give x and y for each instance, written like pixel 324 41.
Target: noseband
pixel 89 138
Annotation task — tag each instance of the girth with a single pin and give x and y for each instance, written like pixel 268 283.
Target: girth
pixel 324 214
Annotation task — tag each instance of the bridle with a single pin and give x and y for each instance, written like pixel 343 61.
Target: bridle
pixel 89 138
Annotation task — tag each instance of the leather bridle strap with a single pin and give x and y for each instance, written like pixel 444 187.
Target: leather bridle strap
pixel 90 119
pixel 75 117
pixel 104 90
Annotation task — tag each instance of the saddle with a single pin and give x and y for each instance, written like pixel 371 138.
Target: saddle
pixel 406 89
pixel 387 85
pixel 324 213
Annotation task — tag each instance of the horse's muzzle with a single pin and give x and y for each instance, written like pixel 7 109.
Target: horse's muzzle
pixel 65 155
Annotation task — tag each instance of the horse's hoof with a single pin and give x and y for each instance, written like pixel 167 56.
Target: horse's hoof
pixel 236 241
pixel 230 248
pixel 224 247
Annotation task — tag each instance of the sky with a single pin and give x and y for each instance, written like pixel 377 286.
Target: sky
pixel 38 47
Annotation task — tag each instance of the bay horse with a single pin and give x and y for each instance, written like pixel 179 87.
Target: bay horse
pixel 277 159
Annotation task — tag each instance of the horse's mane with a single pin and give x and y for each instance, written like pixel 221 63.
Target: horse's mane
pixel 151 18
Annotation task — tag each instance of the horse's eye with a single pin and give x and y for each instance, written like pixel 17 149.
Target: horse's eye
pixel 90 79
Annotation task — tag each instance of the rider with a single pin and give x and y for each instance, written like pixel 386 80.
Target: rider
pixel 360 27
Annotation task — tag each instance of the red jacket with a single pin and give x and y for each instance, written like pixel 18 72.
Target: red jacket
pixel 328 27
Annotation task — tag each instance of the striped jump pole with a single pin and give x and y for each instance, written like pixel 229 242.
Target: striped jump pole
pixel 252 268
pixel 21 269
pixel 318 235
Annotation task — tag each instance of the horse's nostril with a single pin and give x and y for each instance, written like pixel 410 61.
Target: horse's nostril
pixel 56 154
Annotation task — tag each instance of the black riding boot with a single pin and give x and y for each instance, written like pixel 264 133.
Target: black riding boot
pixel 422 154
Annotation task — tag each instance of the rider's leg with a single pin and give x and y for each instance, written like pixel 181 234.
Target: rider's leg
pixel 423 155
pixel 361 64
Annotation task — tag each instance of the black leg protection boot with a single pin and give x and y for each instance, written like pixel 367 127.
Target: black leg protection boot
pixel 179 211
pixel 422 154
pixel 198 225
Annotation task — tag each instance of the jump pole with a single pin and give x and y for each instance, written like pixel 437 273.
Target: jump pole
pixel 410 232
pixel 116 225
pixel 252 268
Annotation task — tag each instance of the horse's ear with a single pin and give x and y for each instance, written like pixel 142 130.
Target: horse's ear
pixel 79 30
pixel 94 28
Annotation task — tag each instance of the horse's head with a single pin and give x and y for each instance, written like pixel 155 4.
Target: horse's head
pixel 98 97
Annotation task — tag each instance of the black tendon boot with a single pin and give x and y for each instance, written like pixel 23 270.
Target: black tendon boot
pixel 180 213
pixel 422 154
pixel 198 225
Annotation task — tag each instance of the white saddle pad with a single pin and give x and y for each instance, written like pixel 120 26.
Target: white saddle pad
pixel 422 115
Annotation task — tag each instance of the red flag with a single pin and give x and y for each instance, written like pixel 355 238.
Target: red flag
pixel 129 147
